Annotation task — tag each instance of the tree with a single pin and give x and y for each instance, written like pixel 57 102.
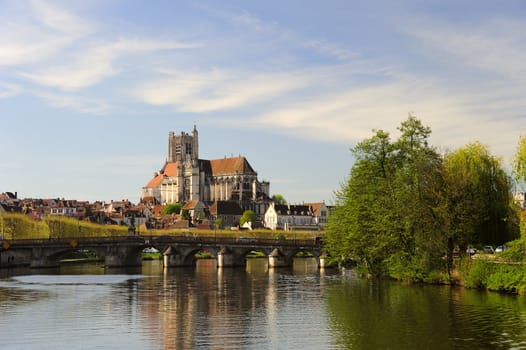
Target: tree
pixel 519 168
pixel 405 207
pixel 248 216
pixel 173 208
pixel 519 161
pixel 417 197
pixel 218 223
pixel 386 218
pixel 278 199
pixel 360 227
pixel 478 197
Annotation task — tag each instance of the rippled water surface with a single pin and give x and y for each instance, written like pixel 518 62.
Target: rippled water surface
pixel 88 307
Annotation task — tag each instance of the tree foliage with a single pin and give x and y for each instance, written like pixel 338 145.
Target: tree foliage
pixel 519 168
pixel 519 161
pixel 248 216
pixel 404 206
pixel 479 197
pixel 173 208
pixel 278 199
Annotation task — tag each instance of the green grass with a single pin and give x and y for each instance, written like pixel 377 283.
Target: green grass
pixel 501 277
pixel 151 256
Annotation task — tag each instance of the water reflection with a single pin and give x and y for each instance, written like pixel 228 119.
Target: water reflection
pixel 88 306
pixel 387 315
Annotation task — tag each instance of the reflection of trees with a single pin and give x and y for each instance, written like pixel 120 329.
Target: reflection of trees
pixel 383 315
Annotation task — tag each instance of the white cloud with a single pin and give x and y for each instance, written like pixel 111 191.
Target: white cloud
pixel 95 63
pixel 331 49
pixel 75 102
pixel 34 31
pixel 496 46
pixel 218 90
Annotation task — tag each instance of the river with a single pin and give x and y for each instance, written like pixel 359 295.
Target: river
pixel 89 307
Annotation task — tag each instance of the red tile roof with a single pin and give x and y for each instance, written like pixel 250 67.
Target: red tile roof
pixel 225 166
pixel 170 169
pixel 215 167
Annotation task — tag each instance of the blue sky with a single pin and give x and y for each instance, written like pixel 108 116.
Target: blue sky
pixel 90 89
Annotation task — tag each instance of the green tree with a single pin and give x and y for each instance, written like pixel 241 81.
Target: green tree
pixel 417 199
pixel 173 208
pixel 388 216
pixel 360 228
pixel 478 197
pixel 248 216
pixel 218 223
pixel 519 169
pixel 278 199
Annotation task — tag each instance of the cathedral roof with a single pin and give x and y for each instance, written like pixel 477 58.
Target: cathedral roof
pixel 215 167
pixel 228 166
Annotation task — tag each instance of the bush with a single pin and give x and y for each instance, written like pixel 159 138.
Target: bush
pixel 20 226
pixel 516 251
pixel 477 274
pixel 496 277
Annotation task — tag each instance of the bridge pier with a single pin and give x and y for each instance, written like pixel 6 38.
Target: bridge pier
pixel 227 258
pixel 322 261
pixel 40 258
pixel 177 258
pixel 121 256
pixel 277 259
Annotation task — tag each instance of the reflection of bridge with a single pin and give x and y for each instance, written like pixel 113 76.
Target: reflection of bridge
pixel 176 250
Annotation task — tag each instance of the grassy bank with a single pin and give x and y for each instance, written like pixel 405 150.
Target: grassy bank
pixel 495 276
pixel 20 226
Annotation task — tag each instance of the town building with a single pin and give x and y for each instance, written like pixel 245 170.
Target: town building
pixel 320 213
pixel 186 178
pixel 290 217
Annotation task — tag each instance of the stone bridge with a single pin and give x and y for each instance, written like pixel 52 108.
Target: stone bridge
pixel 176 250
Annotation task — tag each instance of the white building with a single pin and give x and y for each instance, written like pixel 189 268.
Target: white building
pixel 290 217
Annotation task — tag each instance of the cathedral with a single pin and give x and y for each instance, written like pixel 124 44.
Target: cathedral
pixel 184 177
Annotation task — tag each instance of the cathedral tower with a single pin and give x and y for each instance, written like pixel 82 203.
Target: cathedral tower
pixel 183 146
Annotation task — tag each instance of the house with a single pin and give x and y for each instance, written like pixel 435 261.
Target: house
pixel 9 202
pixel 137 215
pixel 320 212
pixel 228 212
pixel 290 217
pixel 197 210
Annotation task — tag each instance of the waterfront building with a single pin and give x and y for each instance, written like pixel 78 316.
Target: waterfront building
pixel 290 217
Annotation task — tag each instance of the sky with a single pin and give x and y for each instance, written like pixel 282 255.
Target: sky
pixel 89 90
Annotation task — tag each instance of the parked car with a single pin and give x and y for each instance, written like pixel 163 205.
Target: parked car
pixel 501 248
pixel 488 249
pixel 471 251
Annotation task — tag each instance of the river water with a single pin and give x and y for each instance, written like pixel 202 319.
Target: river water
pixel 89 307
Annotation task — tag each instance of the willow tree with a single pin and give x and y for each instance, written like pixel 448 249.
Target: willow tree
pixel 519 168
pixel 478 194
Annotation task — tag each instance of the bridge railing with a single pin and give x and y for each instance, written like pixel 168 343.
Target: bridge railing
pixel 168 239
